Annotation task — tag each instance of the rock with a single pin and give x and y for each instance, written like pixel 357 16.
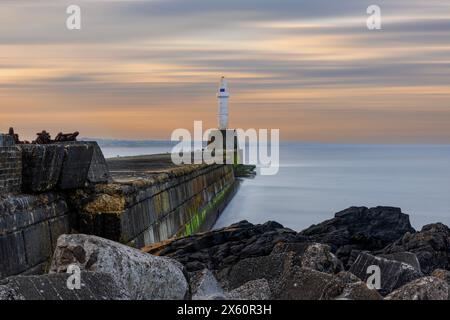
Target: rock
pixel 394 274
pixel 146 277
pixel 360 228
pixel 318 257
pixel 358 291
pixel 431 246
pixel 76 164
pixel 94 286
pixel 270 267
pixel 443 275
pixel 204 285
pixel 347 286
pixel 302 284
pixel 220 249
pixel 405 257
pixel 41 166
pixel 426 288
pixel 252 290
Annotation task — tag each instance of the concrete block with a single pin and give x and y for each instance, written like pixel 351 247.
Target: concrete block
pixel 42 166
pixel 75 168
pixel 12 254
pixel 394 274
pixel 10 169
pixel 98 170
pixel 94 286
pixel 38 245
pixel 6 140
pixel 59 226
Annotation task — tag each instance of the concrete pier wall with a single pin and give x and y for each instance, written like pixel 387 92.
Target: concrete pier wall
pixel 29 228
pixel 49 190
pixel 181 202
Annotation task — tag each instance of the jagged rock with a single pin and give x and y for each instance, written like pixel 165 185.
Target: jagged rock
pixel 219 249
pixel 204 285
pixel 394 274
pixel 358 291
pixel 301 284
pixel 443 275
pixel 347 286
pixel 405 257
pixel 431 246
pixel 252 290
pixel 318 257
pixel 360 228
pixel 76 164
pixel 146 277
pixel 41 166
pixel 94 286
pixel 297 247
pixel 270 267
pixel 426 288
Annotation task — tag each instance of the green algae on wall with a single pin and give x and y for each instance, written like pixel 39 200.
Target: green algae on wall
pixel 198 220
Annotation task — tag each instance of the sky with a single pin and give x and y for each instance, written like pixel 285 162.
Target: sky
pixel 311 68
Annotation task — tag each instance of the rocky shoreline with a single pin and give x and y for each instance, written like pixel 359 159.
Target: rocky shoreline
pixel 326 261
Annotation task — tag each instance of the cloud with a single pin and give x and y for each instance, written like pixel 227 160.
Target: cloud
pixel 292 55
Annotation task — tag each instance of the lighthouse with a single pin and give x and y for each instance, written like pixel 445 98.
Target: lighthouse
pixel 223 95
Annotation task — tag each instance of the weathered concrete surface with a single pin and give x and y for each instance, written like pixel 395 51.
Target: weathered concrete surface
pixel 29 227
pixel 75 168
pixel 150 205
pixel 146 277
pixel 405 257
pixel 42 166
pixel 394 274
pixel 98 168
pixel 94 286
pixel 10 165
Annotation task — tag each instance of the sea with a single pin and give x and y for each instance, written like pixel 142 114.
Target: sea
pixel 316 180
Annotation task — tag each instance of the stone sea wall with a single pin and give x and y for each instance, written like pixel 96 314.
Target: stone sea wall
pixel 54 189
pixel 10 165
pixel 29 228
pixel 182 202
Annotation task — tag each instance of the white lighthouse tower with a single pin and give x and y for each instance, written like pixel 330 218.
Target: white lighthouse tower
pixel 223 96
pixel 229 145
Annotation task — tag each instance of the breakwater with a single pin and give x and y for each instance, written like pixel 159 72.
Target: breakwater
pixel 47 190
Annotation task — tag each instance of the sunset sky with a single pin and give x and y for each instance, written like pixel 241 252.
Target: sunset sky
pixel 140 69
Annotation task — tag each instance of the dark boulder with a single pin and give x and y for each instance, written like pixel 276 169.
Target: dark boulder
pixel 220 249
pixel 347 286
pixel 302 284
pixel 360 228
pixel 426 288
pixel 443 275
pixel 431 246
pixel 270 267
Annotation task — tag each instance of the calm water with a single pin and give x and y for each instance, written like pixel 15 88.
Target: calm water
pixel 317 180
